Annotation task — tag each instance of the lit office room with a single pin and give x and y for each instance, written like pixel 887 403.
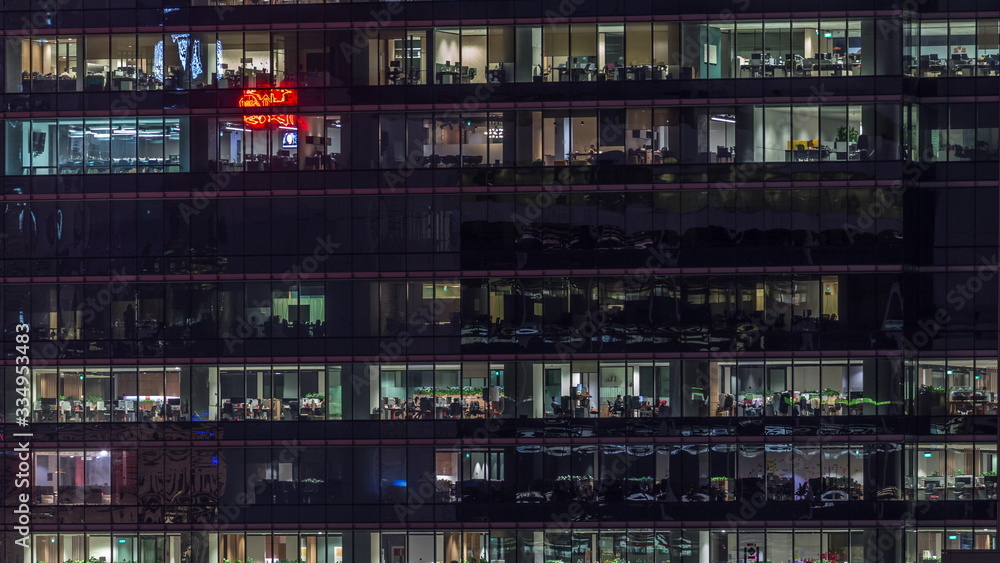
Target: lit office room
pixel 762 49
pixel 93 395
pixel 441 391
pixel 812 133
pixel 272 393
pixel 953 471
pixel 958 132
pixel 584 389
pixel 808 388
pixel 460 55
pixel 43 63
pixel 71 395
pixel 73 476
pixel 468 474
pixel 957 48
pixel 621 51
pixel 98 145
pixel 956 387
pixel 283 142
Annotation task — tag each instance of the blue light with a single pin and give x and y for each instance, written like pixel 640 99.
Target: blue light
pixel 215 460
pixel 158 61
pixel 196 67
pixel 399 483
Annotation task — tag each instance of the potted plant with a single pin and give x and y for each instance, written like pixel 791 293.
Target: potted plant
pixel 312 490
pixel 990 477
pixel 845 136
pixel 722 484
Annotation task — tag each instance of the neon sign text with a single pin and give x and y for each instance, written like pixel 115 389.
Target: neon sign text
pixel 268 98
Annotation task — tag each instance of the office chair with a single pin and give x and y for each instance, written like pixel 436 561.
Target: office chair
pixel 930 492
pixel 864 148
pixel 722 153
pixel 475 409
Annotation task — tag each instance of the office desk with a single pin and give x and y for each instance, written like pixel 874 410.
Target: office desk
pixel 836 68
pixel 448 77
pixel 759 70
pixel 814 155
pixel 496 76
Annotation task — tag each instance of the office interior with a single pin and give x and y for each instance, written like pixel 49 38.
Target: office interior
pixel 932 132
pixel 496 54
pixel 98 146
pixel 953 48
pixel 580 389
pixel 579 545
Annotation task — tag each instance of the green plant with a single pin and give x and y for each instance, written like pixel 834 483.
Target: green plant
pixel 319 396
pixel 847 135
pixel 989 473
pixel 930 389
pixel 311 480
pixel 830 393
pixel 94 399
pixel 718 479
pixel 575 478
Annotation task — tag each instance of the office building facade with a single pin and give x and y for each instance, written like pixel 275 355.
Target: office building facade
pixel 499 282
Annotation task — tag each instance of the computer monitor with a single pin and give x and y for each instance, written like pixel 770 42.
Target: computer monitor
pixel 174 402
pixel 49 402
pixel 964 479
pixel 934 57
pixel 37 142
pixel 290 140
pixel 956 57
pixel 934 483
pixel 237 400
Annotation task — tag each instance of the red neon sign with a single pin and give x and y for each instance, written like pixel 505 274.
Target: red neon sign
pixel 271 97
